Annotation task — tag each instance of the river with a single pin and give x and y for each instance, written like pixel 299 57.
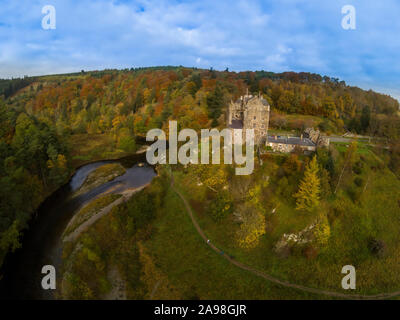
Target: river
pixel 42 243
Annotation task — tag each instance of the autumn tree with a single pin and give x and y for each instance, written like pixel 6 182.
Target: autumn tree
pixel 221 206
pixel 252 227
pixel 394 162
pixel 322 230
pixel 308 196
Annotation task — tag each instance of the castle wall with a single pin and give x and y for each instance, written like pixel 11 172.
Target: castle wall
pixel 254 112
pixel 287 148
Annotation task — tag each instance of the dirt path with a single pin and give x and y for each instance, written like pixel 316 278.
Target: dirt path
pixel 153 292
pixel 267 276
pixel 126 194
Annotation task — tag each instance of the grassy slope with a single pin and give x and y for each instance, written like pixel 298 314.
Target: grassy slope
pixel 89 210
pixel 378 215
pixel 190 270
pixel 93 147
pixel 197 270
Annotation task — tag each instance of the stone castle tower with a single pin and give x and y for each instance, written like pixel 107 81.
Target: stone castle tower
pixel 250 112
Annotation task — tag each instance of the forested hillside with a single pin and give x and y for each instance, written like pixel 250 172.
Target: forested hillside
pixel 140 99
pixel 41 118
pixel 33 163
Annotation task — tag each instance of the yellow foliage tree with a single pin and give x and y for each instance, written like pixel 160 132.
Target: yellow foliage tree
pixel 213 176
pixel 251 229
pixel 310 188
pixel 322 231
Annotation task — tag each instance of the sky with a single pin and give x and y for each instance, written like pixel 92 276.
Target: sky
pixel 271 35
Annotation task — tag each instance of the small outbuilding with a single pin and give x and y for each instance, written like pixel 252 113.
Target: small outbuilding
pixel 288 144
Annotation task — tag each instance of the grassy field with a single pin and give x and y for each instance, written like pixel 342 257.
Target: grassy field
pixel 296 123
pixel 314 120
pixel 93 147
pixel 362 146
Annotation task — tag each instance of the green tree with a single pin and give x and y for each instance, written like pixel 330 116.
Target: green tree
pixel 9 240
pixel 365 118
pixel 215 102
pixel 221 206
pixel 308 196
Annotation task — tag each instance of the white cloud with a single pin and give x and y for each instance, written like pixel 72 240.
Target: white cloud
pixel 298 35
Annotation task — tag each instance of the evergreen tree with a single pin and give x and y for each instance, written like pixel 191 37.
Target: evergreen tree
pixel 197 80
pixel 310 188
pixel 215 102
pixel 365 118
pixel 138 101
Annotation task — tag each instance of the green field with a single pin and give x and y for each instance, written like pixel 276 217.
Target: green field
pixel 87 148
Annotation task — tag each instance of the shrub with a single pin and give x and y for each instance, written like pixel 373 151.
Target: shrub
pixel 221 206
pixel 358 181
pixel 376 247
pixel 127 144
pixel 354 193
pixel 357 168
pixel 322 231
pixel 310 252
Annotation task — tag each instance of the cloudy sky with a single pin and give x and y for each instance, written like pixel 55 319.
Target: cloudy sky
pixel 273 35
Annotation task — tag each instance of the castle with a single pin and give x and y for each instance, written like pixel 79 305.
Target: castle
pixel 250 112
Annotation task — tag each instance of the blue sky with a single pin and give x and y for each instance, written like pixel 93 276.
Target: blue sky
pixel 273 35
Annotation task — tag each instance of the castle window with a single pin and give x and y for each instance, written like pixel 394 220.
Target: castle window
pixel 255 118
